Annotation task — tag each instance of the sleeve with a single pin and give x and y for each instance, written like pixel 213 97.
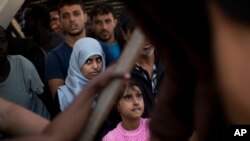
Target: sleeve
pixel 32 80
pixel 53 68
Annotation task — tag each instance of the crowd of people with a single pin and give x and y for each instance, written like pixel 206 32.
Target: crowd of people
pixel 59 59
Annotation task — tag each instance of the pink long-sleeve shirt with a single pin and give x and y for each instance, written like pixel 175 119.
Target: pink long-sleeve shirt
pixel 120 134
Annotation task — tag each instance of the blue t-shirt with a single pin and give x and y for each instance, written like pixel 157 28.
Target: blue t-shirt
pixel 57 62
pixel 112 52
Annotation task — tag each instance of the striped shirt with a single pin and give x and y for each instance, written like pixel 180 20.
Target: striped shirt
pixel 153 79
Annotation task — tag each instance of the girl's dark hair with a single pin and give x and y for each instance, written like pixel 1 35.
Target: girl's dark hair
pixel 130 84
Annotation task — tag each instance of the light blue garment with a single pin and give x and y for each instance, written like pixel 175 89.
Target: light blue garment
pixel 112 52
pixel 75 81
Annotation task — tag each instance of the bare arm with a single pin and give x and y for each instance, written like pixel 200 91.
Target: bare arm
pixel 54 84
pixel 67 126
pixel 16 120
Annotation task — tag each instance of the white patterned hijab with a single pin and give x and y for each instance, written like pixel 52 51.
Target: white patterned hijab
pixel 75 80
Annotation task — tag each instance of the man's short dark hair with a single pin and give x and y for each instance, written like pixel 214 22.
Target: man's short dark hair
pixel 71 2
pixel 128 25
pixel 102 9
pixel 39 12
pixel 53 9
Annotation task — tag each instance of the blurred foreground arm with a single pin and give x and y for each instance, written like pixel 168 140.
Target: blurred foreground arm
pixel 67 125
pixel 18 121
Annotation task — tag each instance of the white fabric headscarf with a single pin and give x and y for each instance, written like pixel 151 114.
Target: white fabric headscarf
pixel 75 80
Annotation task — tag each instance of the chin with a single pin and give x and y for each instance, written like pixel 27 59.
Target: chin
pixel 105 38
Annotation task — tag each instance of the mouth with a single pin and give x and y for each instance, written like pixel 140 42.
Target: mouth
pixel 105 32
pixel 73 26
pixel 95 73
pixel 136 109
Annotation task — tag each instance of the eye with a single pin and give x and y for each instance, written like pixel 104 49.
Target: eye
pixel 139 96
pixel 88 61
pixel 65 16
pixel 108 21
pixel 99 59
pixel 77 13
pixel 97 22
pixel 128 97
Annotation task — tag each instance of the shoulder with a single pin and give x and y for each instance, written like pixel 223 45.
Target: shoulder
pixel 160 65
pixel 57 48
pixel 115 134
pixel 56 51
pixel 145 120
pixel 58 37
pixel 21 62
pixel 19 59
pixel 110 136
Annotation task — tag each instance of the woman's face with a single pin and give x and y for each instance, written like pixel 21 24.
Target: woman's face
pixel 92 67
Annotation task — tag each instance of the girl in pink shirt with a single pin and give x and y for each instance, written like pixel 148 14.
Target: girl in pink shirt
pixel 130 105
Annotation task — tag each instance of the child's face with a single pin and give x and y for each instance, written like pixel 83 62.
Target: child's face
pixel 131 105
pixel 92 67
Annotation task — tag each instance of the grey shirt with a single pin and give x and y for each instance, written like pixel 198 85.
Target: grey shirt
pixel 22 85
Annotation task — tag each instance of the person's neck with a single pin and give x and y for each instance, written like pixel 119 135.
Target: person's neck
pixel 130 124
pixel 147 60
pixel 111 41
pixel 4 70
pixel 70 40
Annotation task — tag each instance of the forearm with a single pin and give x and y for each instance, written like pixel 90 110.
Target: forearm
pixel 71 121
pixel 18 121
pixel 67 125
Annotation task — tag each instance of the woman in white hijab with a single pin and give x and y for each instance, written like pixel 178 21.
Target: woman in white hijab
pixel 87 60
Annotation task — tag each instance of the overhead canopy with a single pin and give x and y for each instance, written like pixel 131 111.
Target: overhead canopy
pixel 8 9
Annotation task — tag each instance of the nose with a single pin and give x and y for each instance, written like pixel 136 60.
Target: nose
pixel 136 101
pixel 104 26
pixel 95 65
pixel 71 18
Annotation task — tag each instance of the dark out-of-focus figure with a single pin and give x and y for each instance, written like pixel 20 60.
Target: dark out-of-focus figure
pixel 19 80
pixel 206 54
pixel 36 25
